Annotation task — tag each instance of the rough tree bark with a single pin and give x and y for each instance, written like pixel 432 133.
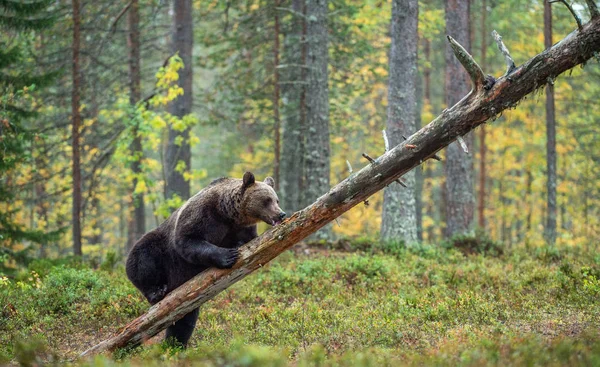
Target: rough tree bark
pixel 277 121
pixel 482 147
pixel 137 219
pixel 460 202
pixel 183 41
pixel 316 153
pixel 550 230
pixel 487 100
pixel 75 125
pixel 399 216
pixel 292 160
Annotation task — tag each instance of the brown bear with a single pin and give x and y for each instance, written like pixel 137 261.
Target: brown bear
pixel 205 232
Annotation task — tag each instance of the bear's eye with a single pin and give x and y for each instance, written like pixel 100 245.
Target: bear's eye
pixel 267 201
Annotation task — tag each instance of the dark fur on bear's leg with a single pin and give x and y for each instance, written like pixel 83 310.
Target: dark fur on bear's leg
pixel 180 332
pixel 145 267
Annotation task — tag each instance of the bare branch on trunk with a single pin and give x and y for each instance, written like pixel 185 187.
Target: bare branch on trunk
pixel 385 140
pixel 373 161
pixel 463 144
pixel 510 63
pixel 469 63
pixel 565 3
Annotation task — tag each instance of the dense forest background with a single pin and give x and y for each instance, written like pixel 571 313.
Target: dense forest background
pixel 147 130
pixel 113 113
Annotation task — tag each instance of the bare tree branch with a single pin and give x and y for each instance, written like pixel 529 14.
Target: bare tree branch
pixel 510 63
pixel 467 61
pixel 577 19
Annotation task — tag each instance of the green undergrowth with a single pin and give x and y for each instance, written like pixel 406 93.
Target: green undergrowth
pixel 352 304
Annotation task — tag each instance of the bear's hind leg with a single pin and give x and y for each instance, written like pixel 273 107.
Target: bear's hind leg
pixel 181 331
pixel 146 269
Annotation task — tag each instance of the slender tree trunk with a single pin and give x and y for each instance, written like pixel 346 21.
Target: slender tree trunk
pixel 42 211
pixel 427 73
pixel 528 199
pixel 292 160
pixel 460 203
pixel 76 123
pixel 428 171
pixel 419 174
pixel 182 43
pixel 317 106
pixel 482 147
pixel 550 230
pixel 399 215
pixel 137 219
pixel 277 122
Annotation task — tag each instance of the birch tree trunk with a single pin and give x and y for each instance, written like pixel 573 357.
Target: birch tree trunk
pixel 183 41
pixel 292 159
pixel 460 202
pixel 317 151
pixel 399 216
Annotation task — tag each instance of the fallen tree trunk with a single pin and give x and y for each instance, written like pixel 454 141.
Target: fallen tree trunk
pixel 488 99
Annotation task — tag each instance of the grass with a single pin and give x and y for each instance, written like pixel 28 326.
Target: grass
pixel 348 305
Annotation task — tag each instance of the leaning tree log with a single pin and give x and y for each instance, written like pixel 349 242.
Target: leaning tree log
pixel 488 98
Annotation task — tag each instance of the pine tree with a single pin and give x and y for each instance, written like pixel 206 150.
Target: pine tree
pixel 16 80
pixel 460 201
pixel 399 216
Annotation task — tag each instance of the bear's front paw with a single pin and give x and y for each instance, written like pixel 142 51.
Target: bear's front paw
pixel 227 258
pixel 157 294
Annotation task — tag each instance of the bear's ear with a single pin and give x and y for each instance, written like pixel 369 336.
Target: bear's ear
pixel 270 181
pixel 248 180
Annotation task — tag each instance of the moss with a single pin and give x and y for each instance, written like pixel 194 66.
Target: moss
pixel 424 305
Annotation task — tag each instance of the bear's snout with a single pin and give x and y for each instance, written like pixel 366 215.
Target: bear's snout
pixel 282 215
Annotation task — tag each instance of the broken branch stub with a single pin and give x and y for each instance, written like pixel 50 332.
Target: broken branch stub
pixel 576 48
pixel 510 63
pixel 469 63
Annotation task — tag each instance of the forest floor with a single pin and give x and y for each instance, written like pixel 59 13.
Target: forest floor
pixel 348 304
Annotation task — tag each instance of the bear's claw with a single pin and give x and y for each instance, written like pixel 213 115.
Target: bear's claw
pixel 228 259
pixel 158 294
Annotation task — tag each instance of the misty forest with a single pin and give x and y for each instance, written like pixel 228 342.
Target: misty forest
pixel 437 162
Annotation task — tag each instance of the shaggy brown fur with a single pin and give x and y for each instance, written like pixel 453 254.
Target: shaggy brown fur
pixel 205 232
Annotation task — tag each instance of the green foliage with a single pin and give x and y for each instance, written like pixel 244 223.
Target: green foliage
pixel 62 300
pixel 422 306
pixel 42 267
pixel 479 243
pixel 110 261
pixel 33 352
pixel 17 81
pixel 25 16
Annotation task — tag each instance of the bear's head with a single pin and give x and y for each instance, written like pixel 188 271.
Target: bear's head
pixel 259 200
